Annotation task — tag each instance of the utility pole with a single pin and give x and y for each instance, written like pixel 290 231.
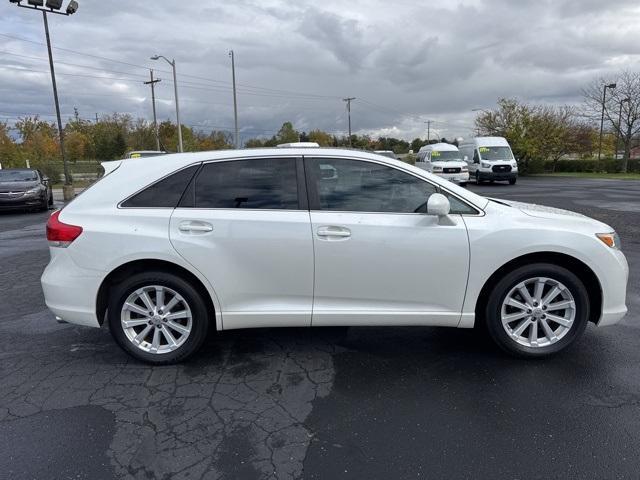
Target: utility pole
pixel 604 99
pixel 235 101
pixel 96 117
pixel 153 82
pixel 428 122
pixel 348 100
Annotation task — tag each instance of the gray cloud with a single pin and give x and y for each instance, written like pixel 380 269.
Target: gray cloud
pixel 406 61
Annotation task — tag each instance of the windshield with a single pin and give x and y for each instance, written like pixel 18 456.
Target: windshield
pixel 447 156
pixel 18 176
pixel 495 153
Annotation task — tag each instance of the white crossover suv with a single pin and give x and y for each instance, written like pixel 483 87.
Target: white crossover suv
pixel 166 248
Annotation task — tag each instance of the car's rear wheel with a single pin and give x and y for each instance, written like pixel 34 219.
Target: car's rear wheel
pixel 157 317
pixel 537 310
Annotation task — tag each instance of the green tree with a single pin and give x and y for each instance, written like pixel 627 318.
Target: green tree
pixel 287 134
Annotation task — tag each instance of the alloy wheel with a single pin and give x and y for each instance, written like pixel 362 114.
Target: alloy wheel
pixel 538 312
pixel 156 319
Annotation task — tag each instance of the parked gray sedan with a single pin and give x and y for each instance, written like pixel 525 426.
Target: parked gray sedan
pixel 25 189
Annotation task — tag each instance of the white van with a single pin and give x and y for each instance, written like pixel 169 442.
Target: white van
pixel 490 158
pixel 444 160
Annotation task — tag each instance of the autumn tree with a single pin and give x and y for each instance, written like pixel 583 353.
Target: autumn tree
pixel 321 138
pixel 535 132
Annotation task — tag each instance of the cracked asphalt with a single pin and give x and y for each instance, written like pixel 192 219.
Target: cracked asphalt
pixel 373 403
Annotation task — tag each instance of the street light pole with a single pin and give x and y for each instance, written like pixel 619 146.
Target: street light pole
pixel 604 99
pixel 54 7
pixel 175 87
pixel 619 129
pixel 235 101
pixel 153 82
pixel 348 100
pixel 65 166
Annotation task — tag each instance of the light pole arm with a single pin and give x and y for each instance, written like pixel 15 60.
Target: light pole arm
pixel 175 88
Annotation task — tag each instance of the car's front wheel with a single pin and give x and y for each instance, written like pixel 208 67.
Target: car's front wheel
pixel 537 310
pixel 157 317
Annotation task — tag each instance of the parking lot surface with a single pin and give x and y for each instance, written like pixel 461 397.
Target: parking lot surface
pixel 320 403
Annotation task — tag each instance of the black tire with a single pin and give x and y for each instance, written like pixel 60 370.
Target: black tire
pixel 200 316
pixel 51 200
pixel 512 181
pixel 463 184
pixel 492 313
pixel 45 205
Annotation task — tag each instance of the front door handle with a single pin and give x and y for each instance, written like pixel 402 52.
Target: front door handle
pixel 334 231
pixel 195 226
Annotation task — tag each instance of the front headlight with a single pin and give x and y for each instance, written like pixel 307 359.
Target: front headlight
pixel 33 191
pixel 485 165
pixel 611 240
pixel 514 165
pixel 437 169
pixel 464 169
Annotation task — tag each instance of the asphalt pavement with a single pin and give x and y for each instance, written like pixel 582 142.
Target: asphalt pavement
pixel 374 403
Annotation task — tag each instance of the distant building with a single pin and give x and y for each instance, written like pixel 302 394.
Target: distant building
pixel 635 153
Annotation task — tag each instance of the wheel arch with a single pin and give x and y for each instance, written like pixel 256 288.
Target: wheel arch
pixel 582 270
pixel 142 265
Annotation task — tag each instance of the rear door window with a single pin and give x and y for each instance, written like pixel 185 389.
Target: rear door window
pixel 256 183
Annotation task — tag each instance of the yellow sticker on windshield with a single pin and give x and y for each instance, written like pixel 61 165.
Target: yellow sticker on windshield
pixel 484 149
pixel 435 154
pixel 135 155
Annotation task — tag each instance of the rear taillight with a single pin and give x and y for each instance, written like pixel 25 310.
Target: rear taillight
pixel 61 234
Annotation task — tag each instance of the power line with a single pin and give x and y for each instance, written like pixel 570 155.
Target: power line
pixel 254 87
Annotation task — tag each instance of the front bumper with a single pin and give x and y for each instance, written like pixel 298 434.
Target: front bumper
pixel 613 281
pixel 462 177
pixel 22 202
pixel 71 292
pixel 497 175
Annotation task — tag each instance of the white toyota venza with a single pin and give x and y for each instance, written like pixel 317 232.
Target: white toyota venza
pixel 165 249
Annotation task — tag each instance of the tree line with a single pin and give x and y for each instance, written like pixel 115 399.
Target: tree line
pixel 110 137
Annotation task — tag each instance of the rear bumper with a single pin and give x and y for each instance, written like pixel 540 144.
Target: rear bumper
pixel 497 175
pixel 70 292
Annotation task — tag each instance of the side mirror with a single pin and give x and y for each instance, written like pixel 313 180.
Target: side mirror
pixel 466 158
pixel 45 180
pixel 438 205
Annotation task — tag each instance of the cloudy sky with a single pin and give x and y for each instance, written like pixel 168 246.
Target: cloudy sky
pixel 406 62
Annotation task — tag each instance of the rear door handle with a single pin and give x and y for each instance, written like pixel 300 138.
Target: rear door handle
pixel 334 231
pixel 195 226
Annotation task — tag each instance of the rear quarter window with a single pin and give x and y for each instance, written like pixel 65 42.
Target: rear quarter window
pixel 165 193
